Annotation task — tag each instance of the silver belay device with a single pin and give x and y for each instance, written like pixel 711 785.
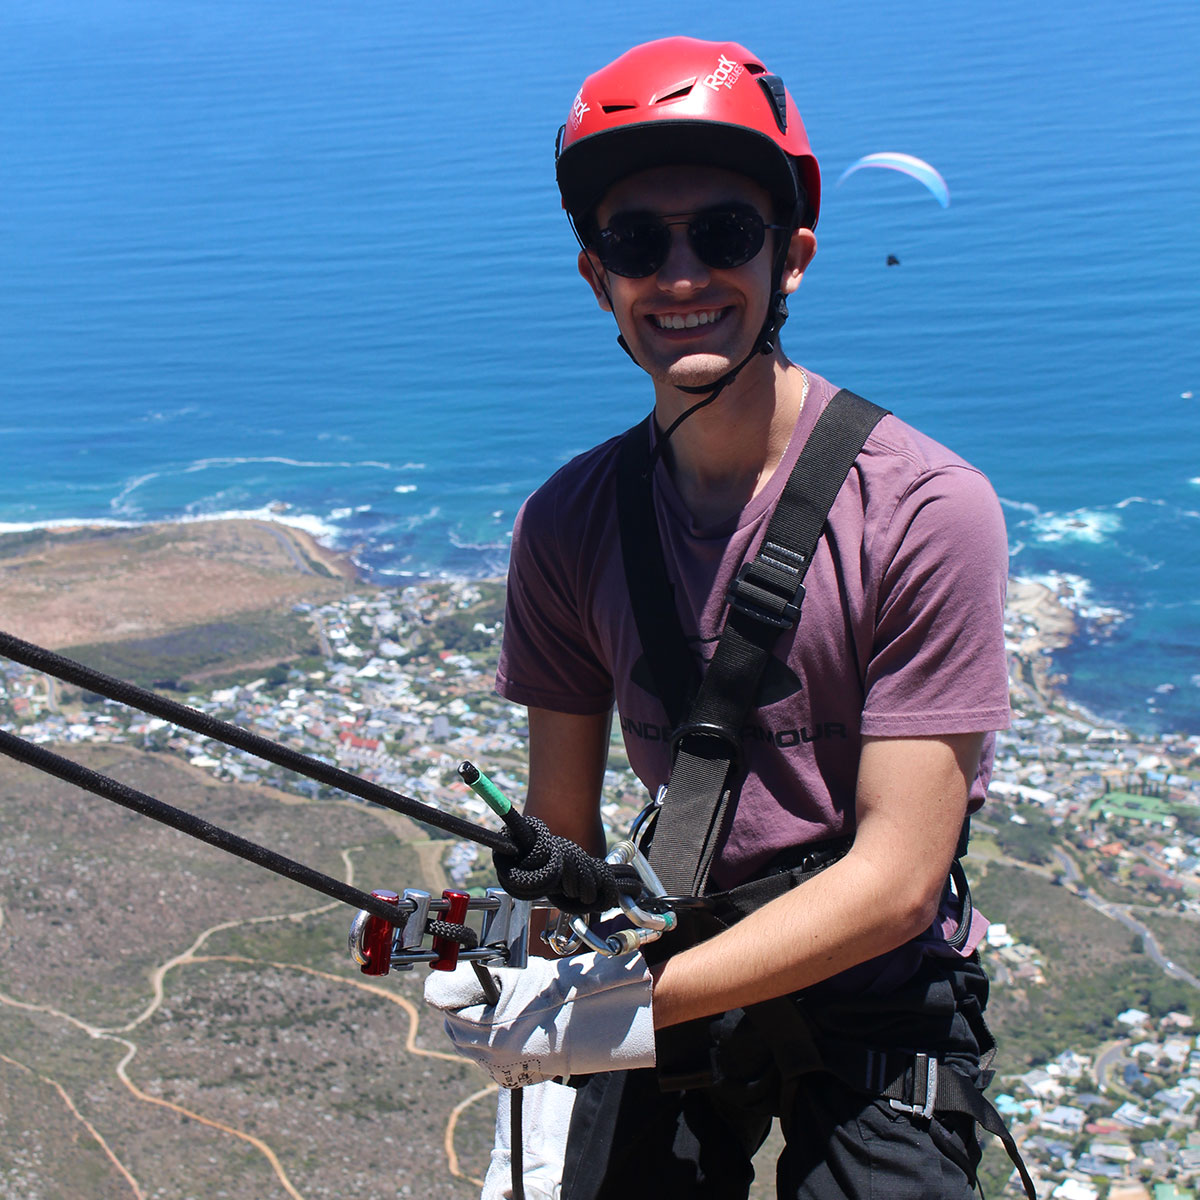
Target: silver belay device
pixel 379 946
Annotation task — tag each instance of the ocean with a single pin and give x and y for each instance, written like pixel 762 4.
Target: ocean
pixel 307 260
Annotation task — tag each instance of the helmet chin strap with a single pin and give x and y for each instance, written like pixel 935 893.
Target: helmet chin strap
pixel 777 313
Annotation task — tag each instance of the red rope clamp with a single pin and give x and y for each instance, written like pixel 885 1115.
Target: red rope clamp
pixel 456 913
pixel 377 935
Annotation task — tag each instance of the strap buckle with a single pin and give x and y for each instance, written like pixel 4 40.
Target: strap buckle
pixel 921 1084
pixel 768 587
pixel 730 745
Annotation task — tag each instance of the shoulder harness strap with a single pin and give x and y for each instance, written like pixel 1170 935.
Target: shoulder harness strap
pixel 764 599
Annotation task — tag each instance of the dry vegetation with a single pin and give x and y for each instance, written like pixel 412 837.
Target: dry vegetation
pixel 72 587
pixel 1093 969
pixel 269 1032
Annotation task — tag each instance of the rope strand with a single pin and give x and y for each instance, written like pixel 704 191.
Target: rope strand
pixel 40 659
pixel 538 864
pixel 147 806
pixel 552 866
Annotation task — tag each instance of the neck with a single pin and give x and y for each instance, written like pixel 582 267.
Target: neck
pixel 722 456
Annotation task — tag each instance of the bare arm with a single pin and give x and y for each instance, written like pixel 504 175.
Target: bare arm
pixel 567 756
pixel 910 802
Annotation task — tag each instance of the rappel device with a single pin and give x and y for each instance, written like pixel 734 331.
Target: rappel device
pixel 380 944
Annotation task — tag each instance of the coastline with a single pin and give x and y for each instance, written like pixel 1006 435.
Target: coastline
pixel 399 691
pixel 1037 623
pixel 77 584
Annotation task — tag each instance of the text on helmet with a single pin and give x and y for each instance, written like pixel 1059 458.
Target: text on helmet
pixel 725 75
pixel 578 109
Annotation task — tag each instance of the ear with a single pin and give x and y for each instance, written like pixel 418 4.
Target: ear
pixel 593 272
pixel 801 248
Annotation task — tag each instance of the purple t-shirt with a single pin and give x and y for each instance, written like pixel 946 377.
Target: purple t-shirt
pixel 901 632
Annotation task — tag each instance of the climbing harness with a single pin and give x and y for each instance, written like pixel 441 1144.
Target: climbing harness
pixel 684 825
pixel 765 598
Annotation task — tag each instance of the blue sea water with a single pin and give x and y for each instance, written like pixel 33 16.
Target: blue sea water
pixel 310 255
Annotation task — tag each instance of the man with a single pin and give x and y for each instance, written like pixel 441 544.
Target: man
pixel 687 175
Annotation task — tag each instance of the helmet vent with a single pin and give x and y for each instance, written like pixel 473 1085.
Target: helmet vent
pixel 772 85
pixel 756 68
pixel 612 108
pixel 676 93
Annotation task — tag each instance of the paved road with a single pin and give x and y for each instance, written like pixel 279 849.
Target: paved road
pixel 1121 913
pixel 1070 869
pixel 1111 1055
pixel 289 547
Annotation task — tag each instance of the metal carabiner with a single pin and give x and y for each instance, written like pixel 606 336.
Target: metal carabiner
pixel 643 823
pixel 628 853
pixel 648 927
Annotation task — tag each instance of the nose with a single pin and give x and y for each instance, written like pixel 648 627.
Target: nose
pixel 683 271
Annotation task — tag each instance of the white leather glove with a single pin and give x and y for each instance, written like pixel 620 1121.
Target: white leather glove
pixel 573 1016
pixel 545 1121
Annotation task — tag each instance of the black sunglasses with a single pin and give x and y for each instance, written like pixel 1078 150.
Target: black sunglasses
pixel 636 244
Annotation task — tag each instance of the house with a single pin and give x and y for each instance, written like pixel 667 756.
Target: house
pixel 1130 1114
pixel 1075 1189
pixel 1112 1151
pixel 1063 1118
pixel 1133 1016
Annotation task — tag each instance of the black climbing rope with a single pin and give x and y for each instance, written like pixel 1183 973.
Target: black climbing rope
pixel 552 866
pixel 112 789
pixel 538 864
pixel 40 659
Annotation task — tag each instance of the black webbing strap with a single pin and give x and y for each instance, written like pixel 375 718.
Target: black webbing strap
pixel 764 599
pixel 913 1082
pixel 652 594
pixel 922 1085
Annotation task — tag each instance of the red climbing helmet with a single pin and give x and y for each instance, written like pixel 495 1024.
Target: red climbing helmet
pixel 681 101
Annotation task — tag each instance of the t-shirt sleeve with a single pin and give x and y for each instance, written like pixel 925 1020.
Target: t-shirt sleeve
pixel 938 663
pixel 546 657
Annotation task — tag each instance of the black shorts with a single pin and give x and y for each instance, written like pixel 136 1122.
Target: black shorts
pixel 629 1140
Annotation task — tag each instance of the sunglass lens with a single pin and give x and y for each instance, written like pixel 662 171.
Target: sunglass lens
pixel 725 238
pixel 634 246
pixel 637 244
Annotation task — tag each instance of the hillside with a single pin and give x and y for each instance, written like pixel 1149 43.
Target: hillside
pixel 175 1023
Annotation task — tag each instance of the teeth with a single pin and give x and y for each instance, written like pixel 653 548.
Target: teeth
pixel 690 321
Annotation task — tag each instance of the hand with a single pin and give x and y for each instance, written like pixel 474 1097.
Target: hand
pixel 573 1016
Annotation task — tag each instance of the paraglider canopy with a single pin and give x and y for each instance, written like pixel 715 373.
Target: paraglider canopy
pixel 907 164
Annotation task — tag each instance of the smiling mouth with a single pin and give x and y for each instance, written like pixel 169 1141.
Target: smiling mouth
pixel 687 320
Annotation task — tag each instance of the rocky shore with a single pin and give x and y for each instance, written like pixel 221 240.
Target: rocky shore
pixel 69 586
pixel 1038 623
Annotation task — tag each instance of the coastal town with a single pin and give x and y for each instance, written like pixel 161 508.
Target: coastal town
pixel 400 693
